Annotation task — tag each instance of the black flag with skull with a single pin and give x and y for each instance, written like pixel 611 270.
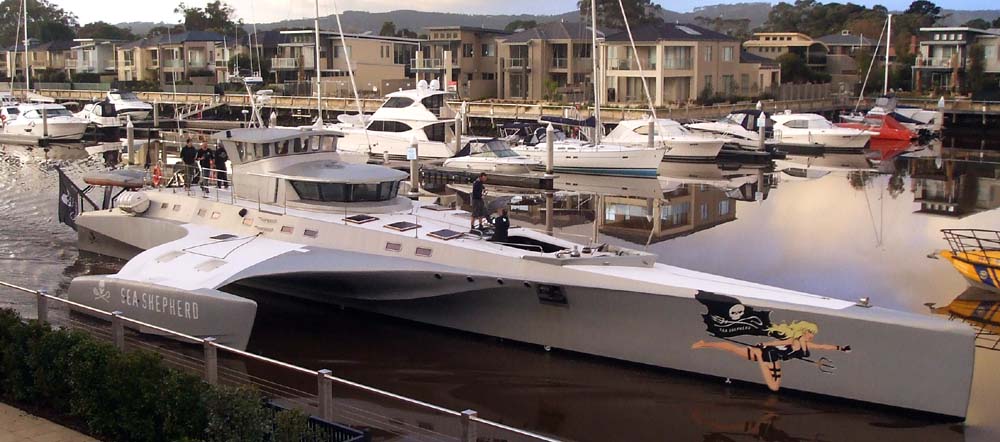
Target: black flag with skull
pixel 728 317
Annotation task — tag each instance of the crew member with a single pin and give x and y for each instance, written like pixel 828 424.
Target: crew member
pixel 206 159
pixel 188 156
pixel 478 205
pixel 501 224
pixel 221 176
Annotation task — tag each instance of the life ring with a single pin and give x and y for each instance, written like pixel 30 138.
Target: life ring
pixel 157 175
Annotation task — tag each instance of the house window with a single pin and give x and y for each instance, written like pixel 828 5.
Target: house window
pixel 727 84
pixel 727 53
pixel 937 36
pixel 745 83
pixel 708 53
pixel 708 82
pixel 489 50
pixel 467 50
pixel 489 76
pixel 724 207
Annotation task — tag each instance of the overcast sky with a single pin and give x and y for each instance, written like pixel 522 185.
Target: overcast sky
pixel 117 11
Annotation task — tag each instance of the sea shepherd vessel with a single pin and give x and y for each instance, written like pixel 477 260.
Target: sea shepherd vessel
pixel 300 222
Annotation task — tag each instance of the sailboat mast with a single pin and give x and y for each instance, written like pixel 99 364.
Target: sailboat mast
pixel 888 44
pixel 596 80
pixel 27 67
pixel 319 83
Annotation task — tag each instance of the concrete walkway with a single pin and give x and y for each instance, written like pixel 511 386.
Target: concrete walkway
pixel 16 425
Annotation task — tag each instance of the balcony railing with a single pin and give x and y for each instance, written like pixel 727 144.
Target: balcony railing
pixel 173 63
pixel 284 63
pixel 517 63
pixel 426 63
pixel 678 63
pixel 72 63
pixel 220 63
pixel 110 65
pixel 560 63
pixel 628 64
pixel 941 62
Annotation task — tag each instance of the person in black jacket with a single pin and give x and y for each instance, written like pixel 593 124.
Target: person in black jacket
pixel 188 156
pixel 206 159
pixel 501 224
pixel 221 176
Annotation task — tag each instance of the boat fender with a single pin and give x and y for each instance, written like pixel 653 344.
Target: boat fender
pixel 133 203
pixel 157 175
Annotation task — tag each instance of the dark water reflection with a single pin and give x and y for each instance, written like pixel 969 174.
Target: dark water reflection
pixel 847 226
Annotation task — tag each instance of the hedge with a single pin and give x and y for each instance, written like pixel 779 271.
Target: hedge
pixel 130 396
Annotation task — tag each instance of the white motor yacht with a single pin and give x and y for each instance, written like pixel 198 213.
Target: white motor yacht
pixel 681 144
pixel 61 123
pixel 741 127
pixel 602 159
pixel 127 104
pixel 8 99
pixel 102 114
pixel 491 155
pixel 298 222
pixel 420 114
pixel 813 130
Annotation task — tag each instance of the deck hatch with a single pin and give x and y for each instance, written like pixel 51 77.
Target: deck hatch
pixel 164 205
pixel 169 256
pixel 202 212
pixel 177 207
pixel 310 233
pixel 216 215
pixel 402 226
pixel 445 234
pixel 438 208
pixel 360 219
pixel 223 236
pixel 423 251
pixel 287 229
pixel 393 246
pixel 247 221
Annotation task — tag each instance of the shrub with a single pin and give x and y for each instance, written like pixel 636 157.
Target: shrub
pixel 129 396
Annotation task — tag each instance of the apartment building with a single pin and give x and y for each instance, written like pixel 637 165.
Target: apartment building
pixel 679 61
pixel 943 55
pixel 775 44
pixel 551 61
pixel 189 56
pixel 379 63
pixel 93 56
pixel 840 59
pixel 463 58
pixel 682 211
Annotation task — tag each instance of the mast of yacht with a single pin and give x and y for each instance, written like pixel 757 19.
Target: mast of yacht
pixel 888 44
pixel 596 79
pixel 17 34
pixel 350 72
pixel 27 67
pixel 319 83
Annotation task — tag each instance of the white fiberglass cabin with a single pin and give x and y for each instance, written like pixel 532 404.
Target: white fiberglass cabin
pixel 57 122
pixel 491 155
pixel 681 143
pixel 420 114
pixel 813 130
pixel 128 104
pixel 741 127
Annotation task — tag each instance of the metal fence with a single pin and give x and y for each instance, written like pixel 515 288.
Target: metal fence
pixel 382 414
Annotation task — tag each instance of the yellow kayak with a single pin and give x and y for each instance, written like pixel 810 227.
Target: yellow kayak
pixel 976 256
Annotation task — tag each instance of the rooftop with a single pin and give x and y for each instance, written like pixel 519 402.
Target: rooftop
pixel 746 57
pixel 336 35
pixel 467 28
pixel 670 32
pixel 556 30
pixel 843 39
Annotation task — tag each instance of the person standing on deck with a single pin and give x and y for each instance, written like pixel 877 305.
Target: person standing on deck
pixel 501 224
pixel 478 205
pixel 188 156
pixel 206 159
pixel 221 176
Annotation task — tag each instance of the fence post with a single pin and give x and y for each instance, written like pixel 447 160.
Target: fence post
pixel 324 389
pixel 43 307
pixel 211 362
pixel 118 330
pixel 468 426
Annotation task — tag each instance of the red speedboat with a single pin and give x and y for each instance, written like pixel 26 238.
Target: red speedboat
pixel 885 126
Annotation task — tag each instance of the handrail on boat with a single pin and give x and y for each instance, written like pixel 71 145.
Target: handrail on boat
pixel 325 374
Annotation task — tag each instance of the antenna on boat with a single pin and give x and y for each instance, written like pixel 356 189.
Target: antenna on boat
pixel 888 44
pixel 319 75
pixel 27 66
pixel 16 35
pixel 350 73
pixel 596 80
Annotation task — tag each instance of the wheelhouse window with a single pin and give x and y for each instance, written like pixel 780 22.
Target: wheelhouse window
pixel 398 102
pixel 435 132
pixel 797 124
pixel 388 126
pixel 346 193
pixel 434 103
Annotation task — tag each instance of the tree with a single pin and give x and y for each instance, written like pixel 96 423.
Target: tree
pixel 406 33
pixel 100 29
pixel 388 29
pixel 977 23
pixel 157 31
pixel 738 28
pixel 974 74
pixel 46 22
pixel 520 25
pixel 995 23
pixel 609 13
pixel 215 17
pixel 795 70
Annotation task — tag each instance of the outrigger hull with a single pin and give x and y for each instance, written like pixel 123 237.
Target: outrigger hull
pixel 634 311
